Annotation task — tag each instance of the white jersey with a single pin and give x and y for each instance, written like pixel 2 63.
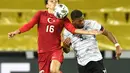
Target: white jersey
pixel 85 46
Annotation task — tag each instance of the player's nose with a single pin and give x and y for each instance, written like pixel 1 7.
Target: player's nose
pixel 82 22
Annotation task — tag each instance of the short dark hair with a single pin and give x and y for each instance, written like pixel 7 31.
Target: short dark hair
pixel 46 1
pixel 76 14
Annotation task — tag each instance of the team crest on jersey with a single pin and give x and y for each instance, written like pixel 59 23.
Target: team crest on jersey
pixel 50 20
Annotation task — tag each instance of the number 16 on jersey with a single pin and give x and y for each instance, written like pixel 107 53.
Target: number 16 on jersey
pixel 50 28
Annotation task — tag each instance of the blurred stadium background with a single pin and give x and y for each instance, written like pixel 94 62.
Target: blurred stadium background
pixel 114 15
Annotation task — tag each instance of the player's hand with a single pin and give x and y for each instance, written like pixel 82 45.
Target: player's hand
pixel 67 42
pixel 66 45
pixel 12 34
pixel 118 52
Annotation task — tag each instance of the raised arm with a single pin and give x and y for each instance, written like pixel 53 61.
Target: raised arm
pixel 91 32
pixel 31 23
pixel 113 39
pixel 73 30
pixel 27 26
pixel 109 35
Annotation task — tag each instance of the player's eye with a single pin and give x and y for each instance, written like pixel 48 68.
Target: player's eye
pixel 54 1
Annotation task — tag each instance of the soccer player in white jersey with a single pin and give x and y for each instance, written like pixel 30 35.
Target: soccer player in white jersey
pixel 87 52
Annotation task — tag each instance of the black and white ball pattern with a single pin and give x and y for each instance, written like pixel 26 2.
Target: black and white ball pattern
pixel 61 11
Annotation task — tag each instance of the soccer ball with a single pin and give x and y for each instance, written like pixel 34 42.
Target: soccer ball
pixel 61 11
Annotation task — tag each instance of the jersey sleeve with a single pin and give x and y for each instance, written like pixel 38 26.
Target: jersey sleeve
pixel 66 34
pixel 68 25
pixel 31 23
pixel 96 25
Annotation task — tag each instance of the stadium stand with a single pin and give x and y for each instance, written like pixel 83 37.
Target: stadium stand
pixel 96 15
pixel 115 19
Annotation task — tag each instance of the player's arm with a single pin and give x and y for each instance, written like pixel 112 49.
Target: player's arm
pixel 27 26
pixel 91 32
pixel 73 30
pixel 109 35
pixel 66 45
pixel 113 39
pixel 66 40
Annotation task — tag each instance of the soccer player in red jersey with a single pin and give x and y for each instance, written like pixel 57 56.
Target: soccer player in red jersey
pixel 50 55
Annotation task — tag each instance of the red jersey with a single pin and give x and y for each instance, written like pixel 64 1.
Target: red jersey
pixel 49 30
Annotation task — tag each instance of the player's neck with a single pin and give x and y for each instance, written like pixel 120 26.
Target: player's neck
pixel 50 11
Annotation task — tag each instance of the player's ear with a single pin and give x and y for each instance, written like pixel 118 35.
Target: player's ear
pixel 46 5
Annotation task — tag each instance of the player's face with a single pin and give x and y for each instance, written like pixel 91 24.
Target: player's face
pixel 78 23
pixel 51 4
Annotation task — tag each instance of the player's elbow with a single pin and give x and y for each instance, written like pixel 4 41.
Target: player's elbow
pixel 107 33
pixel 73 30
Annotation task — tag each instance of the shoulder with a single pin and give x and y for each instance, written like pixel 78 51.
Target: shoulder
pixel 66 20
pixel 96 25
pixel 90 21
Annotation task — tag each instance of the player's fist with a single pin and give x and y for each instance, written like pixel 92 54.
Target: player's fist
pixel 12 34
pixel 67 42
pixel 66 45
pixel 118 52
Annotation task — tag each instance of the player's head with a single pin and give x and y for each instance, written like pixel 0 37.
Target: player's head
pixel 77 18
pixel 50 4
